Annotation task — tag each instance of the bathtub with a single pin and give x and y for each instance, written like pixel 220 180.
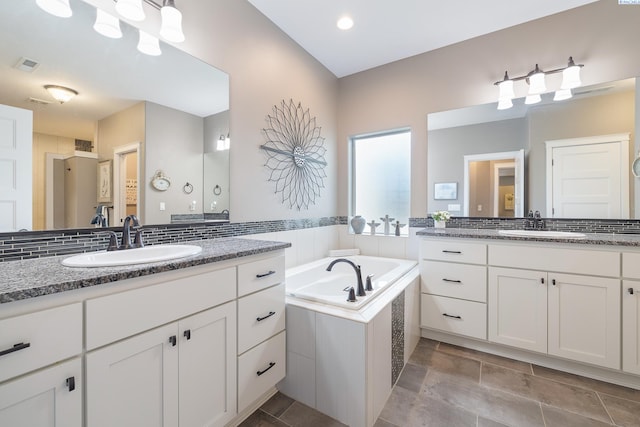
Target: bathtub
pixel 313 282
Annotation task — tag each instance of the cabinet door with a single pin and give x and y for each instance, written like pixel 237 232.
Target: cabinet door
pixel 584 319
pixel 208 367
pixel 135 382
pixel 518 308
pixel 51 397
pixel 631 326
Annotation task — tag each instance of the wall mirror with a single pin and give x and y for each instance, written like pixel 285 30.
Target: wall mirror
pixel 593 111
pixel 172 107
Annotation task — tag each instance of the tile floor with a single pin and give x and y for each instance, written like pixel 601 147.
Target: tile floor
pixel 446 386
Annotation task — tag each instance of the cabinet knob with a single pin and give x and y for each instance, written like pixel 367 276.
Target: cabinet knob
pixel 187 334
pixel 173 340
pixel 553 282
pixel 542 280
pixel 71 383
pixel 631 291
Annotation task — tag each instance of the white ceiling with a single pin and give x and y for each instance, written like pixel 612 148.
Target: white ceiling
pixel 389 30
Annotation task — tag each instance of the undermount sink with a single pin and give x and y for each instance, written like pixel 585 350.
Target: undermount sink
pixel 543 233
pixel 132 256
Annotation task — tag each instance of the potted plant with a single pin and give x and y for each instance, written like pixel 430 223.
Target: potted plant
pixel 440 218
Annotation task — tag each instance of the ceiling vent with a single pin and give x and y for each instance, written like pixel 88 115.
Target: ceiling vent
pixel 27 65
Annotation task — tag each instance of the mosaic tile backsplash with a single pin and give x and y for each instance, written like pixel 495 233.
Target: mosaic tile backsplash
pixel 38 244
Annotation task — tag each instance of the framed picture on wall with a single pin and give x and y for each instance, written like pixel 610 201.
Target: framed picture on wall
pixel 105 181
pixel 445 191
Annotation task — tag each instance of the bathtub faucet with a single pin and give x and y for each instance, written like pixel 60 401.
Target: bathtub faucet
pixel 361 292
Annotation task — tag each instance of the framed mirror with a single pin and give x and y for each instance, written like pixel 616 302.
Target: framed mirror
pixel 172 106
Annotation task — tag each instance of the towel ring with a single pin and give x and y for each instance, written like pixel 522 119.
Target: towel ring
pixel 217 190
pixel 188 188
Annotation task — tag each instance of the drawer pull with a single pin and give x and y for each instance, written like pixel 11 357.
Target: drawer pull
pixel 173 340
pixel 187 334
pixel 16 347
pixel 452 281
pixel 271 365
pixel 631 291
pixel 260 319
pixel 452 252
pixel 71 383
pixel 260 276
pixel 453 317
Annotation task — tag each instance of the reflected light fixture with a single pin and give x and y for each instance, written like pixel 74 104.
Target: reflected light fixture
pixel 58 8
pixel 107 25
pixel 345 23
pixel 537 85
pixel 61 94
pixel 148 44
pixel 130 9
pixel 171 27
pixel 223 143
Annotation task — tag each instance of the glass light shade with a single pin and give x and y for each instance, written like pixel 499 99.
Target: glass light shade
pixel 227 142
pixel 504 104
pixel 130 9
pixel 148 44
pixel 532 99
pixel 562 94
pixel 59 8
pixel 345 23
pixel 536 83
pixel 60 93
pixel 171 28
pixel 571 77
pixel 221 143
pixel 506 90
pixel 107 25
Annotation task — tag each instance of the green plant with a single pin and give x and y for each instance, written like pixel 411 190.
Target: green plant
pixel 441 216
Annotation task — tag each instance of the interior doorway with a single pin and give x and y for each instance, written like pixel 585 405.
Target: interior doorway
pixel 126 179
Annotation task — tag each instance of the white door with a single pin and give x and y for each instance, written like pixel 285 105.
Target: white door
pixel 589 177
pixel 584 319
pixel 16 139
pixel 134 383
pixel 631 327
pixel 517 304
pixel 51 397
pixel 207 354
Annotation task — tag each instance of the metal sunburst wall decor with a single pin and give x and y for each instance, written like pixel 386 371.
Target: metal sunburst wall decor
pixel 295 153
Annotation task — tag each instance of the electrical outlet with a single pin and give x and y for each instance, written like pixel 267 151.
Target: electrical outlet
pixel 479 208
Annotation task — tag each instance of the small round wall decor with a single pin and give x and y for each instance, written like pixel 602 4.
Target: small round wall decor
pixel 295 153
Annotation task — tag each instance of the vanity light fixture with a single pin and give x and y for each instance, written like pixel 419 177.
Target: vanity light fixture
pixel 60 93
pixel 58 8
pixel 148 44
pixel 223 143
pixel 107 25
pixel 171 27
pixel 130 9
pixel 537 85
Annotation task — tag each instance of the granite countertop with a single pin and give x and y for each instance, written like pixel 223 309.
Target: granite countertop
pixel 25 279
pixel 610 239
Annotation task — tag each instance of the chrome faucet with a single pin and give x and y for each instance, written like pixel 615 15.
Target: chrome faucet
pixel 361 292
pixel 533 221
pixel 131 221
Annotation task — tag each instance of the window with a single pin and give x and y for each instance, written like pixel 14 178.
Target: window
pixel 380 177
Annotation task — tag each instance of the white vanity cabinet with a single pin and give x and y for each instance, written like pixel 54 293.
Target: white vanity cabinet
pixel 631 312
pixel 52 396
pixel 454 287
pixel 534 304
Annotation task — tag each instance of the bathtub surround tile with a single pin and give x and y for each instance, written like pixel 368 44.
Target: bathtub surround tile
pixel 624 412
pixel 589 383
pixel 551 393
pixel 392 247
pixel 486 357
pixel 369 245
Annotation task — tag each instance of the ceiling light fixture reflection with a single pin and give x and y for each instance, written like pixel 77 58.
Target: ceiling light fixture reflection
pixel 61 94
pixel 107 25
pixel 58 8
pixel 148 44
pixel 537 85
pixel 130 9
pixel 345 23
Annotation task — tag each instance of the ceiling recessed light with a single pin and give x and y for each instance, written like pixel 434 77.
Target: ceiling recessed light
pixel 345 23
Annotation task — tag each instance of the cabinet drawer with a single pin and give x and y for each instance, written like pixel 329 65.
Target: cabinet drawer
pixel 34 340
pixel 452 250
pixel 453 315
pixel 631 265
pixel 114 317
pixel 454 280
pixel 561 260
pixel 257 275
pixel 261 368
pixel 256 322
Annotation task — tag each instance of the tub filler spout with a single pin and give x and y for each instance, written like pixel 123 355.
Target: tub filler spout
pixel 356 268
